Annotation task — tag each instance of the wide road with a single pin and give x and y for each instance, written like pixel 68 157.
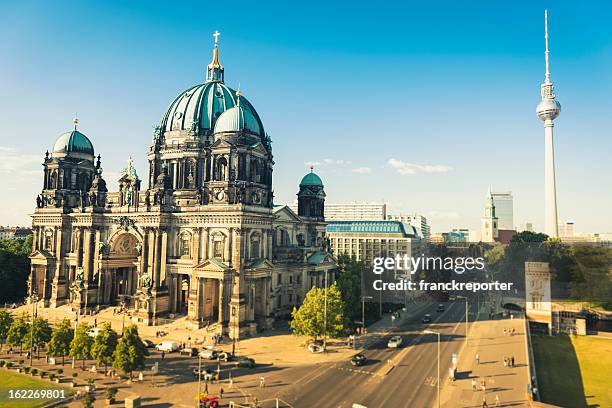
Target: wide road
pixel 411 382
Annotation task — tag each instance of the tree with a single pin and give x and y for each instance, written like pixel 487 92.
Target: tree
pixel 60 339
pixel 39 334
pixel 18 331
pixel 5 324
pixel 309 319
pixel 592 274
pixel 15 268
pixel 349 285
pixel 104 345
pixel 130 352
pixel 80 347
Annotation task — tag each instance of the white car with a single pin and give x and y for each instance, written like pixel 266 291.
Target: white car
pixel 394 342
pixel 167 346
pixel 94 331
pixel 208 354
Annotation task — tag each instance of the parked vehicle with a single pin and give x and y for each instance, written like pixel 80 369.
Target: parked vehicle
pixel 394 342
pixel 427 318
pixel 189 351
pixel 148 343
pixel 315 348
pixel 440 308
pixel 167 346
pixel 245 362
pixel 204 372
pixel 208 354
pixel 225 356
pixel 358 359
pixel 94 331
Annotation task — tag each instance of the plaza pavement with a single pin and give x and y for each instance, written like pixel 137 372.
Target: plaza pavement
pixel 487 339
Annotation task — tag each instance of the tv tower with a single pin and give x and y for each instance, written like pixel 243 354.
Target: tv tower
pixel 548 110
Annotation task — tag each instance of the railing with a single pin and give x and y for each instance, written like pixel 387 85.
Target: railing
pixel 533 378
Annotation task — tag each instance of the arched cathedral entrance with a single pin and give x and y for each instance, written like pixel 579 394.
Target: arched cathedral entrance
pixel 120 268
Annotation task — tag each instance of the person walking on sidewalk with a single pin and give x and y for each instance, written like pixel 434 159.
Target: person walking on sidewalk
pixel 473 385
pixel 512 361
pixel 497 403
pixel 477 359
pixel 484 402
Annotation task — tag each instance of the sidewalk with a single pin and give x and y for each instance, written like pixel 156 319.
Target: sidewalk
pixel 509 384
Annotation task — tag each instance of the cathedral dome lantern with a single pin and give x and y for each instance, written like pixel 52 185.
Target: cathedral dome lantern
pixel 198 108
pixel 73 144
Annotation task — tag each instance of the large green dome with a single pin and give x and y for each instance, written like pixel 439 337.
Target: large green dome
pixel 311 179
pixel 73 142
pixel 198 108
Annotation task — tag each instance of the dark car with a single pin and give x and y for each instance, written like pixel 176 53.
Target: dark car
pixel 225 356
pixel 245 362
pixel 440 308
pixel 358 359
pixel 204 372
pixel 148 344
pixel 189 351
pixel 427 318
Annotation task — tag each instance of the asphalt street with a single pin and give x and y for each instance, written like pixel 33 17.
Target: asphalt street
pixel 412 380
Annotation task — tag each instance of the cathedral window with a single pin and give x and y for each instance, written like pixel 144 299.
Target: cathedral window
pixel 218 249
pixel 185 245
pixel 48 240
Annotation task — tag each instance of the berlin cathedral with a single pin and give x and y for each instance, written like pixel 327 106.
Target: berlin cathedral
pixel 203 239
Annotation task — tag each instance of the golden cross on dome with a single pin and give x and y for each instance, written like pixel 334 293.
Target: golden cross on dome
pixel 216 34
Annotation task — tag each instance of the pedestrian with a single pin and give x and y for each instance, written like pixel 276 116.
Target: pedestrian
pixel 221 393
pixel 504 331
pixel 484 386
pixel 163 354
pixel 512 361
pixel 96 322
pixel 505 362
pixel 477 359
pixel 484 402
pixel 262 382
pixel 473 385
pixel 497 403
pixel 513 331
pixel 231 381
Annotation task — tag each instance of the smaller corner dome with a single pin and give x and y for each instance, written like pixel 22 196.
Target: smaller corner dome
pixel 73 142
pixel 237 119
pixel 311 179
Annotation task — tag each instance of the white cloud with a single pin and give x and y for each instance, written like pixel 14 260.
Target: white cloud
pixel 405 168
pixel 15 163
pixel 328 162
pixel 362 170
pixel 312 163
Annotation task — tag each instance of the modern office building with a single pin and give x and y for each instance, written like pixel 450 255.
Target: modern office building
pixel 353 211
pixel 504 209
pixel 416 220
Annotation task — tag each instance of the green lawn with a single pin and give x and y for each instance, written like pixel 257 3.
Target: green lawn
pixel 15 381
pixel 574 371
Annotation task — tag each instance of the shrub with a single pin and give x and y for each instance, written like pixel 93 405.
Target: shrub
pixel 9 364
pixel 90 381
pixel 27 369
pixel 43 374
pixel 60 371
pixel 2 363
pixel 34 371
pixel 21 362
pixel 52 376
pixel 75 374
pixel 111 392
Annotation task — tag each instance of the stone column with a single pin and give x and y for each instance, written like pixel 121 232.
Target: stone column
pixel 226 252
pixel 163 257
pixel 195 246
pixel 264 244
pixel 151 252
pixel 221 303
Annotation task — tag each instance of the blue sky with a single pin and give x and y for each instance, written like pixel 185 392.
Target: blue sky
pixel 443 93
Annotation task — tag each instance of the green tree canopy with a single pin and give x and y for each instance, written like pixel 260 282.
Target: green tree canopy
pixel 130 352
pixel 309 319
pixel 80 347
pixel 349 285
pixel 18 331
pixel 104 345
pixel 59 345
pixel 6 319
pixel 39 334
pixel 15 268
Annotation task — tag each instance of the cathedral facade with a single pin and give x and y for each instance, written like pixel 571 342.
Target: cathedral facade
pixel 203 239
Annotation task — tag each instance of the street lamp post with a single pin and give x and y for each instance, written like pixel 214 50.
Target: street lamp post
pixel 325 316
pixel 34 300
pixel 199 378
pixel 438 334
pixel 363 298
pixel 466 316
pixel 234 334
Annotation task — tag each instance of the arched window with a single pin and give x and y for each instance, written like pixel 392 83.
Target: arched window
pixel 221 169
pixel 49 240
pixel 255 246
pixel 185 244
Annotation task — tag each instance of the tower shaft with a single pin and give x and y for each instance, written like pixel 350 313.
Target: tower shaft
pixel 551 227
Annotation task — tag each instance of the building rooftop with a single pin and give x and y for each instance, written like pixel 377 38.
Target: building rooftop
pixel 374 227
